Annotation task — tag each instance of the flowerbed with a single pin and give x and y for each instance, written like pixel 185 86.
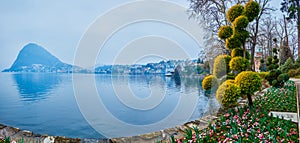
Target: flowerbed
pixel 279 99
pixel 252 125
pixel 8 140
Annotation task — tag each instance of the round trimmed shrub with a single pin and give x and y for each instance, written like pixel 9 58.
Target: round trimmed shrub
pixel 240 22
pixel 228 93
pixel 221 65
pixel 238 52
pixel 249 82
pixel 233 42
pixel 210 82
pixel 241 35
pixel 234 12
pixel 252 10
pixel 239 64
pixel 225 32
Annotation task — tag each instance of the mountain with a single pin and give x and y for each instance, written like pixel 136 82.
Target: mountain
pixel 34 58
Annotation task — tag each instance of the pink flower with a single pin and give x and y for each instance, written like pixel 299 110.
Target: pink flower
pixel 227 115
pixel 258 130
pixel 261 136
pixel 235 116
pixel 227 121
pixel 225 140
pixel 235 136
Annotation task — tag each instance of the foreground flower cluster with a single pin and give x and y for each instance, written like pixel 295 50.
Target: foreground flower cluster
pixel 246 124
pixel 8 140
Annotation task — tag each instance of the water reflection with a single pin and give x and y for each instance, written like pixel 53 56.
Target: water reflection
pixel 35 86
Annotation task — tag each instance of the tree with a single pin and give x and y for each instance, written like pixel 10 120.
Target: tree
pixel 254 28
pixel 292 9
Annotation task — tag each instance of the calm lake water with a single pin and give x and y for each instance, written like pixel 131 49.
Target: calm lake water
pixel 45 103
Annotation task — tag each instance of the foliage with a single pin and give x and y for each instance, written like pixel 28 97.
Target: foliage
pixel 234 12
pixel 238 52
pixel 287 65
pixel 228 93
pixel 276 78
pixel 240 22
pixel 291 8
pixel 225 32
pixel 263 75
pixel 221 65
pixel 294 72
pixel 241 35
pixel 210 82
pixel 249 82
pixel 239 64
pixel 233 42
pixel 252 10
pixel 297 63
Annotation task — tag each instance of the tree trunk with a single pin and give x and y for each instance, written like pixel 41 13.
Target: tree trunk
pixel 250 100
pixel 254 44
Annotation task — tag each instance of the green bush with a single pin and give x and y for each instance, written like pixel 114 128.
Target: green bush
pixel 274 78
pixel 263 75
pixel 233 42
pixel 221 65
pixel 210 82
pixel 225 32
pixel 238 52
pixel 240 22
pixel 239 64
pixel 252 10
pixel 249 82
pixel 282 78
pixel 287 65
pixel 234 12
pixel 297 63
pixel 241 35
pixel 228 93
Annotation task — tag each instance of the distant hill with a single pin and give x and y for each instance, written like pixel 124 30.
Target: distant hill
pixel 34 58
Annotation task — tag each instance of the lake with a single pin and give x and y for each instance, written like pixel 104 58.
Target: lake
pixel 65 104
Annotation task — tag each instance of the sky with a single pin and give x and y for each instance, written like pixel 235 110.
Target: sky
pixel 60 25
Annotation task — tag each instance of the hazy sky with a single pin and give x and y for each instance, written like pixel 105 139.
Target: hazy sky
pixel 58 26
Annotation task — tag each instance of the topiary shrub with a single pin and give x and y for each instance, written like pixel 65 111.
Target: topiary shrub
pixel 221 65
pixel 282 78
pixel 225 32
pixel 228 93
pixel 238 52
pixel 249 82
pixel 239 64
pixel 234 12
pixel 210 82
pixel 252 10
pixel 241 35
pixel 263 75
pixel 233 42
pixel 240 22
